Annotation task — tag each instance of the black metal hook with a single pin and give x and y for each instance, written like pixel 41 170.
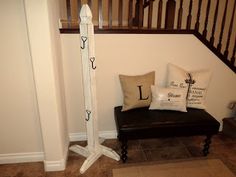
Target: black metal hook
pixel 88 115
pixel 84 39
pixel 92 59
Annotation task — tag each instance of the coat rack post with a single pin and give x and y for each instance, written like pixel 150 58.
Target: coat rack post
pixel 94 149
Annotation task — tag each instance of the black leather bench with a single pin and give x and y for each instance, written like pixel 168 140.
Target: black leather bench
pixel 143 123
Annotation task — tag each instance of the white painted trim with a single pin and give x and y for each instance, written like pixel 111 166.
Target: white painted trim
pixel 108 134
pixel 55 165
pixel 78 136
pixel 59 165
pixel 82 136
pixel 36 157
pixel 21 157
pixel 66 152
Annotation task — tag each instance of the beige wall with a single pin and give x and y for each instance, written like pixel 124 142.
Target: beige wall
pixel 46 57
pixel 137 54
pixel 33 124
pixel 54 13
pixel 19 119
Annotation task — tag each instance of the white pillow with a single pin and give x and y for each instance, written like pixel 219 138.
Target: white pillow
pixel 195 82
pixel 168 99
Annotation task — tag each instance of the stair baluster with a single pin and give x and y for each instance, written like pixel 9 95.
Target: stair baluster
pixel 130 18
pixel 78 11
pixel 110 13
pixel 68 7
pixel 198 15
pixel 159 14
pixel 90 3
pixel 150 9
pixel 189 18
pixel 233 55
pixel 230 32
pixel 170 14
pixel 100 17
pixel 212 39
pixel 222 27
pixel 140 12
pixel 120 16
pixel 180 14
pixel 206 19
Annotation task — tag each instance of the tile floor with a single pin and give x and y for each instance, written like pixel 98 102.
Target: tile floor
pixel 139 151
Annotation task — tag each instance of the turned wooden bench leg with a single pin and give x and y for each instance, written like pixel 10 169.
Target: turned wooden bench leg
pixel 124 147
pixel 207 145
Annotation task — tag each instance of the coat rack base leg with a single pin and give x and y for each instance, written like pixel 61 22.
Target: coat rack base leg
pixel 80 150
pixel 91 157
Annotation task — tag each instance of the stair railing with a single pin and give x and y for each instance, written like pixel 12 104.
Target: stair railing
pixel 211 21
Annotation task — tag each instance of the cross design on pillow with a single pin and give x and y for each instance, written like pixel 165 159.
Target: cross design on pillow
pixel 190 81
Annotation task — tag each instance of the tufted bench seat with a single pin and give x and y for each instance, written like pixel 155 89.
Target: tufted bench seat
pixel 143 123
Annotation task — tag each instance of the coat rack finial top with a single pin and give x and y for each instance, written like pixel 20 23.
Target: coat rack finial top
pixel 86 14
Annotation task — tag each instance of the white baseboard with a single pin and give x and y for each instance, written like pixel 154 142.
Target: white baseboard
pixel 21 157
pixel 35 157
pixel 59 165
pixel 108 134
pixel 77 136
pixel 82 136
pixel 39 156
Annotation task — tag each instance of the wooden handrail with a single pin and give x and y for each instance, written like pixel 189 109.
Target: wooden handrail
pixel 158 17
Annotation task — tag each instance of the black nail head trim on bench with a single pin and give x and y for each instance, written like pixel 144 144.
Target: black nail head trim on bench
pixel 143 123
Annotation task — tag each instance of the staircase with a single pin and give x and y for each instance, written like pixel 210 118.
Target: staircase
pixel 213 22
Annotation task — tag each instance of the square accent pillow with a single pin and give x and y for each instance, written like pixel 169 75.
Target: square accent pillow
pixel 168 99
pixel 195 82
pixel 136 90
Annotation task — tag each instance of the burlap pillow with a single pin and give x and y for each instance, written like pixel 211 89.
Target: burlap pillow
pixel 195 82
pixel 136 90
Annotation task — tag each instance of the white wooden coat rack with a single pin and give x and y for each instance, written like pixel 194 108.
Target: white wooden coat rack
pixel 94 149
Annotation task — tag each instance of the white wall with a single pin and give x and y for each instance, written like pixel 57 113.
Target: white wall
pixel 137 54
pixel 54 13
pixel 33 124
pixel 45 48
pixel 19 119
